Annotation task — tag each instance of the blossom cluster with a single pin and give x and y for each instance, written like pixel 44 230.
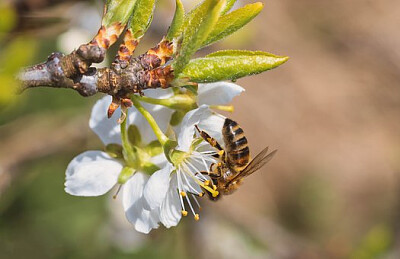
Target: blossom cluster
pixel 155 157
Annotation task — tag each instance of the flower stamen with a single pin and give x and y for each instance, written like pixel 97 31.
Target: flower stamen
pixel 190 205
pixel 212 190
pixel 118 190
pixel 197 202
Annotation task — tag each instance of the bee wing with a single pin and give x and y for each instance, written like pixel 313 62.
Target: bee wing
pixel 259 161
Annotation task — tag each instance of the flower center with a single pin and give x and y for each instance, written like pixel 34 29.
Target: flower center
pixel 192 175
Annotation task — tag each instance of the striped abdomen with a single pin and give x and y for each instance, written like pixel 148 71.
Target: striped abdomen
pixel 236 147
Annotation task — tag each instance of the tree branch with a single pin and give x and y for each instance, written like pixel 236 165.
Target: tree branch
pixel 120 80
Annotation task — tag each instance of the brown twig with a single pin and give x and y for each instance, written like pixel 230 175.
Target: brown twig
pixel 115 81
pixel 126 76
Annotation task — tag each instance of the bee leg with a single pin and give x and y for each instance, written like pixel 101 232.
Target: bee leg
pixel 212 141
pixel 212 184
pixel 211 174
pixel 213 196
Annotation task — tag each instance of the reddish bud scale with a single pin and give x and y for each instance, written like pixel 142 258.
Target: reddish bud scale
pixel 113 106
pixel 127 48
pixel 107 36
pixel 159 77
pixel 158 56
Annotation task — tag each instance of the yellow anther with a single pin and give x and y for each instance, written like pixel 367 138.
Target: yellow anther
pixel 207 182
pixel 221 152
pixel 215 194
pixel 183 194
pixel 184 213
pixel 211 190
pixel 201 194
pixel 196 217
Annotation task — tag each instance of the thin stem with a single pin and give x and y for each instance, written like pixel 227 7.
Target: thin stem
pixel 163 102
pixel 178 102
pixel 226 108
pixel 124 134
pixel 130 154
pixel 153 124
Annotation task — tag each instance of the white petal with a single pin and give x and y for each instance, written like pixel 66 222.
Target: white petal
pixel 150 221
pixel 206 120
pixel 218 93
pixel 186 129
pixel 212 123
pixel 170 213
pixel 143 220
pixel 159 160
pixel 107 129
pixel 133 189
pixel 156 188
pixel 91 173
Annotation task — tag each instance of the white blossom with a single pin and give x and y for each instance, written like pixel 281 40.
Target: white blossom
pixel 160 197
pixel 187 181
pixel 94 173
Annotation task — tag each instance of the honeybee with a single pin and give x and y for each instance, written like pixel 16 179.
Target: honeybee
pixel 234 161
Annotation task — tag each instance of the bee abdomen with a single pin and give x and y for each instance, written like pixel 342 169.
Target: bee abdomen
pixel 240 157
pixel 235 144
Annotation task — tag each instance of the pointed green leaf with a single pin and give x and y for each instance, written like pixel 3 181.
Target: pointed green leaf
pixel 196 29
pixel 228 6
pixel 230 65
pixel 118 11
pixel 230 23
pixel 176 25
pixel 141 17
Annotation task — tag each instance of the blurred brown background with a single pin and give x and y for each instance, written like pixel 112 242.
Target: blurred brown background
pixel 332 111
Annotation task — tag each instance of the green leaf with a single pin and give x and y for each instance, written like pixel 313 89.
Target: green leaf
pixel 196 29
pixel 230 65
pixel 118 11
pixel 230 23
pixel 176 25
pixel 228 6
pixel 142 17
